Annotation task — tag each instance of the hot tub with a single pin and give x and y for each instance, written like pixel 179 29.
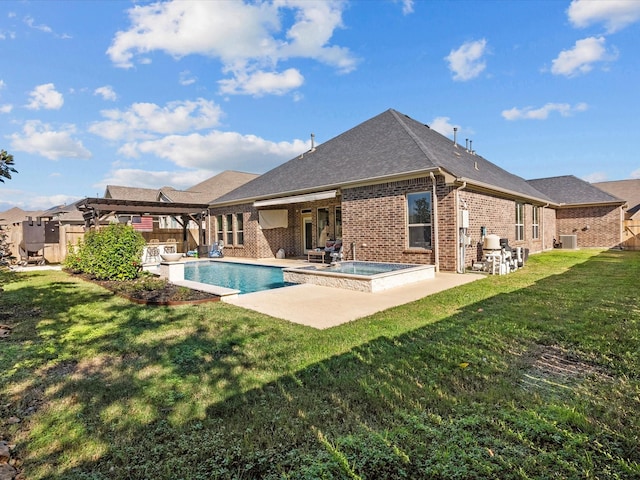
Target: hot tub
pixel 360 276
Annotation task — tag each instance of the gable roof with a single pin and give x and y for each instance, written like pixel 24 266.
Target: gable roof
pixel 17 215
pixel 570 190
pixel 221 184
pixel 386 147
pixel 202 192
pixel 628 190
pixel 131 193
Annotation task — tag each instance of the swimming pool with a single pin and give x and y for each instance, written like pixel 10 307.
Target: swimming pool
pixel 238 276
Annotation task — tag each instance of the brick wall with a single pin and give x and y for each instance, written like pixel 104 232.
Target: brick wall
pixel 596 226
pixel 259 243
pixel 374 219
pixel 375 225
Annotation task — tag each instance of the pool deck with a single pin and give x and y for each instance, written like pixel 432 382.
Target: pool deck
pixel 325 307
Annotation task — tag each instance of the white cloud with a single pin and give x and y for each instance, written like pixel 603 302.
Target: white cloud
pixel 39 138
pixel 581 57
pixel 467 61
pixel 635 174
pixel 260 41
pixel 407 6
pixel 7 108
pixel 443 126
pixel 542 113
pixel 260 83
pixel 187 79
pixel 615 14
pixel 218 151
pixel 595 177
pixel 132 177
pixel 45 96
pixel 30 21
pixel 106 92
pixel 146 120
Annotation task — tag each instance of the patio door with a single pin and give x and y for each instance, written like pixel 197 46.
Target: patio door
pixel 307 231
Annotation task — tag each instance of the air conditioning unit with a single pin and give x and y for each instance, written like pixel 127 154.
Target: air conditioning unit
pixel 569 241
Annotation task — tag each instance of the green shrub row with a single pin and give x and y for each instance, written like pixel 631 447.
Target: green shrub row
pixel 111 253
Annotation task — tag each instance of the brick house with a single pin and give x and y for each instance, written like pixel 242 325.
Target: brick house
pixel 393 190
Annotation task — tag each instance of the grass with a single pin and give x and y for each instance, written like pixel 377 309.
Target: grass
pixel 528 375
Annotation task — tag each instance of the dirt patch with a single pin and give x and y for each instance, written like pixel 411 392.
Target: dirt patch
pixel 553 368
pixel 153 291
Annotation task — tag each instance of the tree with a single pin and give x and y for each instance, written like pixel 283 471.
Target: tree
pixel 6 165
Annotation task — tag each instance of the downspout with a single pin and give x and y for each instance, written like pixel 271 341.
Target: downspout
pixel 436 250
pixel 543 222
pixel 462 249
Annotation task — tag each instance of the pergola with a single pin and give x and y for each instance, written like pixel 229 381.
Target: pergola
pixel 95 210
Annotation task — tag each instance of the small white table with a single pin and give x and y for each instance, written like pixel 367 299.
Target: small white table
pixel 314 255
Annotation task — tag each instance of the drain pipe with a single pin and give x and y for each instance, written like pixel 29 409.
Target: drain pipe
pixel 541 220
pixel 462 248
pixel 436 250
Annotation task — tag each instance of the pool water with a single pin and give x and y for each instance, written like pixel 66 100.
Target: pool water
pixel 366 268
pixel 246 278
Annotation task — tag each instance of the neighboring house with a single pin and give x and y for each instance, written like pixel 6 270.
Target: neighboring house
pixel 628 190
pixel 395 191
pixel 593 215
pixel 203 192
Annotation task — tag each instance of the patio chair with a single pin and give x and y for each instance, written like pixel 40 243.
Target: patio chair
pixel 333 251
pixel 216 250
pixel 152 255
pixel 170 245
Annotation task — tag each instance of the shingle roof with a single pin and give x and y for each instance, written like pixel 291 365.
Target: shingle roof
pixel 571 190
pixel 16 215
pixel 387 146
pixel 131 193
pixel 628 190
pixel 221 184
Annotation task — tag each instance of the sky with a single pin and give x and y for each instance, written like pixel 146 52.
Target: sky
pixel 152 94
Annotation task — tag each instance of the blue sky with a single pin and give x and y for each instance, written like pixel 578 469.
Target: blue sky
pixel 148 94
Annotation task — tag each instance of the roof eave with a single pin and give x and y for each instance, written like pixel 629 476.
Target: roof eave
pixel 519 195
pixel 335 186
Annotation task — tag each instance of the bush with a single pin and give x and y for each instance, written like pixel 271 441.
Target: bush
pixel 111 253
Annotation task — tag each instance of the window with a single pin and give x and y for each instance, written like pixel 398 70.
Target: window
pixel 419 219
pixel 519 221
pixel 338 222
pixel 239 229
pixel 535 222
pixel 229 229
pixel 219 234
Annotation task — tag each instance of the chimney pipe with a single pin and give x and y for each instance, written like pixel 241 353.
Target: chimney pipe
pixel 466 144
pixel 471 146
pixel 313 142
pixel 455 136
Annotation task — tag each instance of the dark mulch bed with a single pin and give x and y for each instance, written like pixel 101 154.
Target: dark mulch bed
pixel 151 290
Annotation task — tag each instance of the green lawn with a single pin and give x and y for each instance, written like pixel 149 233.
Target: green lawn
pixel 528 375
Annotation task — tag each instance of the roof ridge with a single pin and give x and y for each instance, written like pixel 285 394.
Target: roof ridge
pixel 421 145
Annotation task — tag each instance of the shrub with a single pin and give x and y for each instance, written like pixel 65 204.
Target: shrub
pixel 111 253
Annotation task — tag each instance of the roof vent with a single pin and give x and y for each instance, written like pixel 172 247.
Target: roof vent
pixel 313 142
pixel 455 136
